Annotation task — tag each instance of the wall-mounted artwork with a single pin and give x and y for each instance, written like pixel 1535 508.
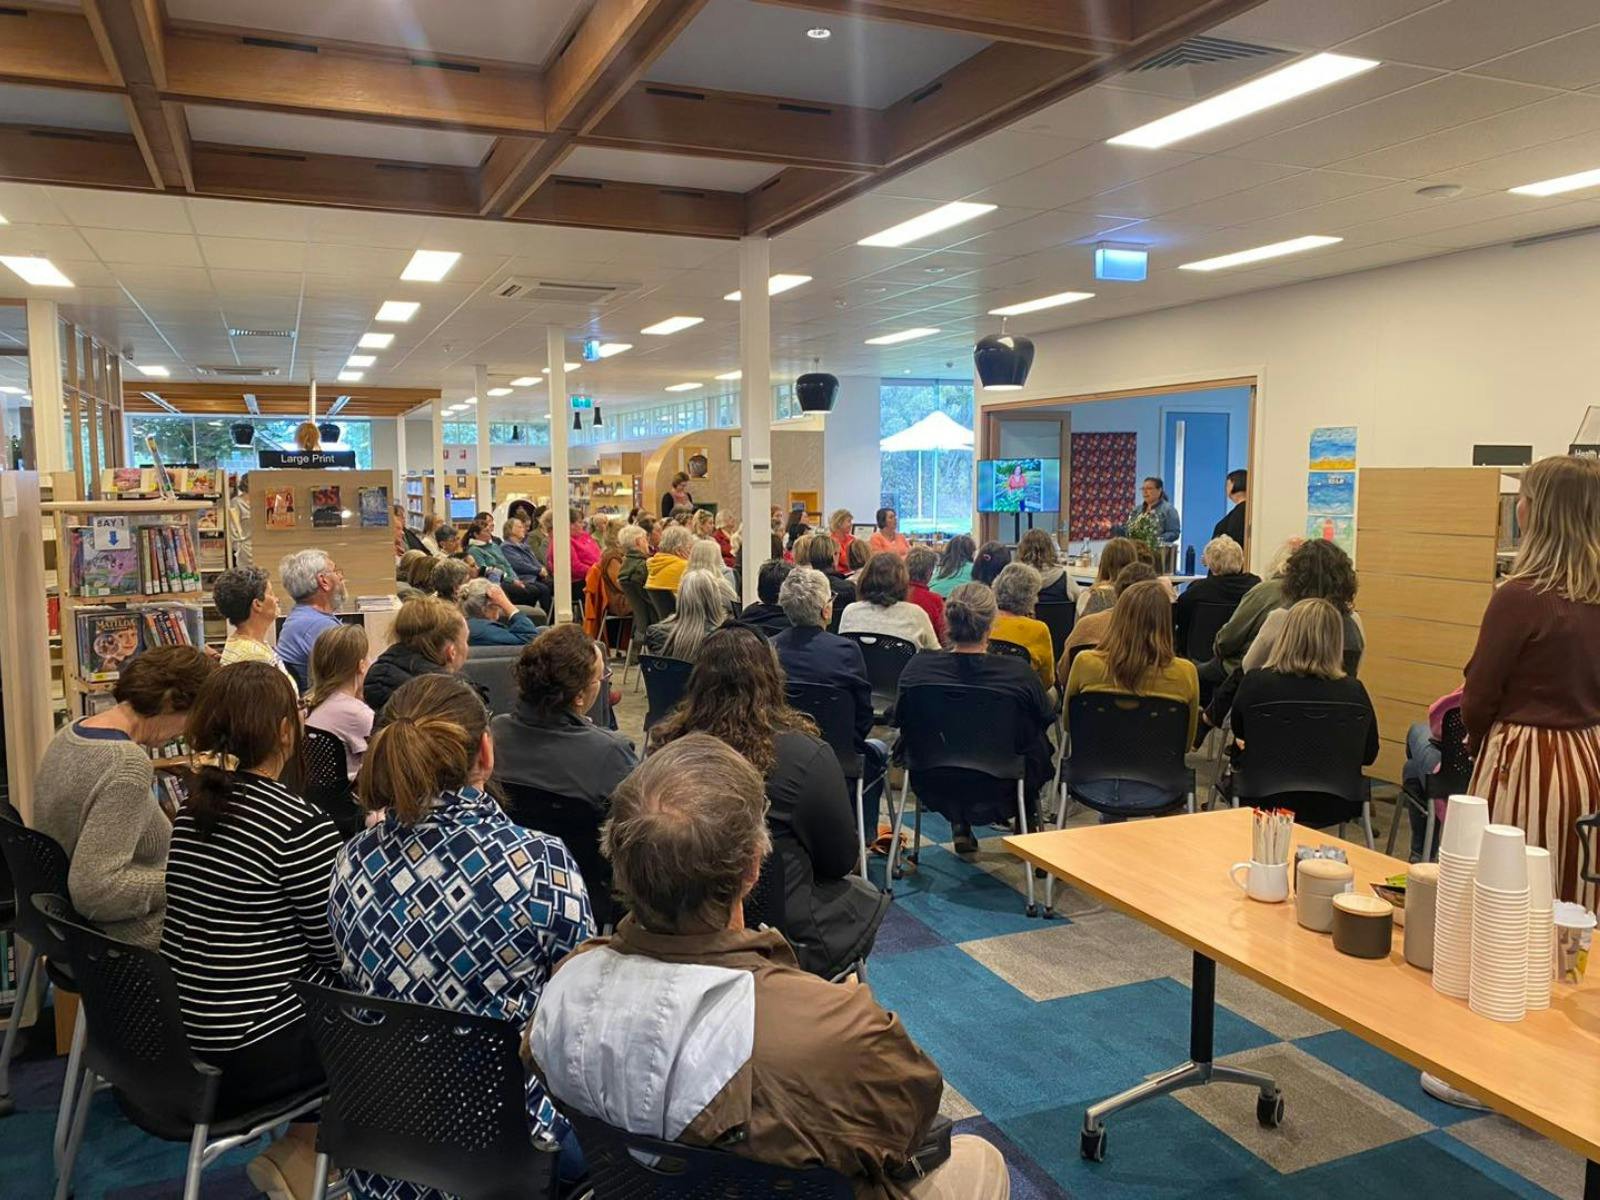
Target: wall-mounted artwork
pixel 1331 486
pixel 1104 478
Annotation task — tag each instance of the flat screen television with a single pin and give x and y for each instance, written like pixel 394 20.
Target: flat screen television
pixel 1015 485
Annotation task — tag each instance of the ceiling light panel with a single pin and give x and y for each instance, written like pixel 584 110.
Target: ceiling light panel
pixel 500 391
pixel 397 310
pixel 569 368
pixel 1043 302
pixel 905 335
pixel 376 341
pixel 776 286
pixel 360 360
pixel 929 223
pixel 152 372
pixel 684 387
pixel 1257 254
pixel 351 376
pixel 526 381
pixel 729 376
pixel 671 325
pixel 40 272
pixel 1562 183
pixel 1276 87
pixel 430 266
pixel 607 349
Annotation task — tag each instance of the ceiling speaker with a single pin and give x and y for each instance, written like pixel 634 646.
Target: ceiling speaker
pixel 1003 361
pixel 816 391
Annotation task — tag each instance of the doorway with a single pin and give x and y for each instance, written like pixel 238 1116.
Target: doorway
pixel 1196 463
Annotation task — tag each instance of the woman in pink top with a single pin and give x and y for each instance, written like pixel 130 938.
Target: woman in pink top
pixel 334 704
pixel 585 550
pixel 889 536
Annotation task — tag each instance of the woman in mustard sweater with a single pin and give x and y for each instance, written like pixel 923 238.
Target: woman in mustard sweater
pixel 1016 592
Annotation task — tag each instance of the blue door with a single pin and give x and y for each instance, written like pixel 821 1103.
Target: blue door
pixel 1195 468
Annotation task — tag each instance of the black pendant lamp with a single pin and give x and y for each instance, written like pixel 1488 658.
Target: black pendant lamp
pixel 244 433
pixel 598 420
pixel 577 422
pixel 328 432
pixel 816 391
pixel 1003 361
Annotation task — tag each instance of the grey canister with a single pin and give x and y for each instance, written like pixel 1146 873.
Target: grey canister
pixel 1317 881
pixel 1422 889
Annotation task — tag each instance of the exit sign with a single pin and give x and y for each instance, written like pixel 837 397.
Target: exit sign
pixel 582 402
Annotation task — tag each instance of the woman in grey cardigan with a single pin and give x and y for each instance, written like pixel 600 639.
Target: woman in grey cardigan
pixel 93 793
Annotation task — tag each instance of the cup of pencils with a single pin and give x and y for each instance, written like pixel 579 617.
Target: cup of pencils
pixel 1266 876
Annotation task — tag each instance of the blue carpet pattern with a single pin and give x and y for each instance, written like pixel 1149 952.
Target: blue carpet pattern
pixel 1031 1020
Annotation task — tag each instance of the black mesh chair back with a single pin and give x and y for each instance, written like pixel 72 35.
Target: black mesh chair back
pixel 1135 739
pixel 414 540
pixel 1305 755
pixel 764 904
pixel 577 823
pixel 665 681
pixel 941 731
pixel 1454 775
pixel 1059 617
pixel 38 867
pixel 327 780
pixel 834 711
pixel 426 1095
pixel 663 602
pixel 493 670
pixel 886 657
pixel 1009 649
pixel 1205 623
pixel 630 1166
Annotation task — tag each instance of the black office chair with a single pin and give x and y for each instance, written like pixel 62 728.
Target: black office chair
pixel 1059 617
pixel 663 602
pixel 424 1094
pixel 643 617
pixel 631 1166
pixel 665 681
pixel 1205 622
pixel 492 670
pixel 1453 778
pixel 951 754
pixel 886 656
pixel 327 780
pixel 764 904
pixel 136 1042
pixel 1009 649
pixel 834 711
pixel 1588 827
pixel 577 823
pixel 1307 756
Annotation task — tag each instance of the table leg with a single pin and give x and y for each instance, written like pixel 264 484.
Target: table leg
pixel 1199 1070
pixel 1591 1180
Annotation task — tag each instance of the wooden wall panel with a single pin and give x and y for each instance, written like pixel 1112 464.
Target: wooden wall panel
pixel 1420 641
pixel 366 556
pixel 1451 601
pixel 1457 500
pixel 1432 555
pixel 1390 763
pixel 1415 683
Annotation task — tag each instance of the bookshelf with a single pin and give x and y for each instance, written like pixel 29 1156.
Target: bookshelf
pixel 188 483
pixel 418 487
pixel 612 495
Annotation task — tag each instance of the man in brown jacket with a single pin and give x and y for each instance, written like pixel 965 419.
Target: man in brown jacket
pixel 689 1027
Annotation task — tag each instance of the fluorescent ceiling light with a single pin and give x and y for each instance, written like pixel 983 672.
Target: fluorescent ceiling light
pixel 671 325
pixel 905 335
pixel 470 400
pixel 569 368
pixel 1307 75
pixel 351 376
pixel 730 375
pixel 928 223
pixel 607 349
pixel 455 408
pixel 1275 250
pixel 776 285
pixel 1028 306
pixel 499 391
pixel 10 391
pixel 150 372
pixel 684 387
pixel 526 381
pixel 40 272
pixel 3 220
pixel 1562 183
pixel 397 310
pixel 376 341
pixel 360 360
pixel 430 266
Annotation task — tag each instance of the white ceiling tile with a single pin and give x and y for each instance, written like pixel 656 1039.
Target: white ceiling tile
pixel 1046 231
pixel 62 108
pixel 243 218
pixel 1534 223
pixel 134 246
pixel 58 242
pixel 253 254
pixel 1460 33
pixel 665 170
pixel 1276 197
pixel 872 213
pixel 1567 62
pixel 255 283
pixel 1566 156
pixel 1315 26
pixel 1443 214
pixel 347 261
pixel 1081 174
pixel 166 277
pixel 122 210
pixel 1097 113
pixel 1192 183
pixel 29 203
pixel 1437 154
pixel 964 171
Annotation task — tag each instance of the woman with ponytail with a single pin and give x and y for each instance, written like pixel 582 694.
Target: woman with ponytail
pixel 425 769
pixel 247 906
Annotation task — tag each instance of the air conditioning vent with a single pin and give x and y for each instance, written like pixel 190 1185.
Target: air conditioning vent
pixel 272 333
pixel 550 291
pixel 230 371
pixel 1197 50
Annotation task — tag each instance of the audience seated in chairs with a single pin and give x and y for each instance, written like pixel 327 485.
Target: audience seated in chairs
pixel 702 608
pixel 419 579
pixel 93 793
pixel 529 571
pixel 993 558
pixel 245 598
pixel 1016 592
pixel 970 614
pixel 247 905
pixel 518 892
pixel 492 619
pixel 334 703
pixel 1038 550
pixel 403 570
pixel 829 914
pixel 1225 586
pixel 316 586
pixel 1234 638
pixel 1136 659
pixel 883 607
pixel 841 528
pixel 1424 757
pixel 450 575
pixel 855 557
pixel 920 562
pixel 1090 631
pixel 706 555
pixel 1117 553
pixel 583 550
pixel 767 614
pixel 665 568
pixel 430 638
pixel 547 741
pixel 822 554
pixel 490 558
pixel 689 1026
pixel 634 542
pixel 955 565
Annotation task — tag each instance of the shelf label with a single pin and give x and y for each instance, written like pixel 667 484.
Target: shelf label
pixel 111 533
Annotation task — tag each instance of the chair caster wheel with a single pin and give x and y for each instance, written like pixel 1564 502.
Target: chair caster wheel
pixel 897 873
pixel 1092 1146
pixel 1269 1110
pixel 1033 910
pixel 1049 914
pixel 7 1106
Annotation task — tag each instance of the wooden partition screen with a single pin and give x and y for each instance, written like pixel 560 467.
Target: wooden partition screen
pixel 1425 550
pixel 365 553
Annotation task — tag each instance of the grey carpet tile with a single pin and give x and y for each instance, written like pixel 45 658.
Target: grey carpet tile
pixel 1551 1166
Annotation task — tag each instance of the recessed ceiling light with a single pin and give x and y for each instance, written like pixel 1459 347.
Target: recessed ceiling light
pixel 776 286
pixel 397 310
pixel 819 33
pixel 728 376
pixel 455 408
pixel 1307 75
pixel 928 223
pixel 569 368
pixel 351 376
pixel 430 266
pixel 499 391
pixel 10 391
pixel 684 387
pixel 526 381
pixel 152 372
pixel 376 341
pixel 671 325
pixel 1562 183
pixel 905 335
pixel 40 272
pixel 470 400
pixel 360 360
pixel 607 349
pixel 1028 306
pixel 3 220
pixel 1275 250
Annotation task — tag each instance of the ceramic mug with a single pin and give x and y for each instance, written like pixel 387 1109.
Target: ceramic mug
pixel 1267 882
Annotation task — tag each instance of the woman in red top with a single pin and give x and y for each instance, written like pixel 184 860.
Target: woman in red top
pixel 839 529
pixel 919 567
pixel 889 536
pixel 1532 696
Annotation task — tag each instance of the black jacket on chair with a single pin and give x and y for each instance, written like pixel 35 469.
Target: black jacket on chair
pixel 1213 589
pixel 768 618
pixel 812 655
pixel 399 665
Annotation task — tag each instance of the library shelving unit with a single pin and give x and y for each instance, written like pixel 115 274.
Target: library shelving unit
pixel 208 484
pixel 521 483
pixel 613 495
pixel 419 498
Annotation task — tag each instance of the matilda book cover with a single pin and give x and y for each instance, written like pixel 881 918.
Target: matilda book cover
pixel 107 640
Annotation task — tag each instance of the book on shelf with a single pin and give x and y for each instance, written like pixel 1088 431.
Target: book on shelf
pixel 171 795
pixel 162 558
pixel 168 559
pixel 109 638
pixel 95 572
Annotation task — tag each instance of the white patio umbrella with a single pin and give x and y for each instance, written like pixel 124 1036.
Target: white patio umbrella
pixel 937 431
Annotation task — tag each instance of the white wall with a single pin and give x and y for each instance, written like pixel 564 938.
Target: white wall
pixel 1425 359
pixel 851 466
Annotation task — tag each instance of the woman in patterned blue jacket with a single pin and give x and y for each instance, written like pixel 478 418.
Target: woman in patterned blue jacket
pixel 404 889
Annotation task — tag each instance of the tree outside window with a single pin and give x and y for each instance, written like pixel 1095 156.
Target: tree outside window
pixel 908 476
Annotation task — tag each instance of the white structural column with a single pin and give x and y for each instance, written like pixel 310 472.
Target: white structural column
pixel 400 467
pixel 755 406
pixel 560 506
pixel 44 381
pixel 480 389
pixel 440 508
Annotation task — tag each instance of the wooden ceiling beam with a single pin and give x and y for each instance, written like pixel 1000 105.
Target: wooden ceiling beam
pixel 226 398
pixel 515 168
pixel 131 42
pixel 1052 24
pixel 248 172
pixel 635 207
pixel 58 49
pixel 86 158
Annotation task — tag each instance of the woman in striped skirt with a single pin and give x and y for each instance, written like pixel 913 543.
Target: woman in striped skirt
pixel 1532 696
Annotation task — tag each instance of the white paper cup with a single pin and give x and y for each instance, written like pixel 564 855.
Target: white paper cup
pixel 1541 886
pixel 1503 859
pixel 1464 819
pixel 1574 930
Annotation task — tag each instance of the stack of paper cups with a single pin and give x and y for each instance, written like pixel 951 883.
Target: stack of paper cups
pixel 1541 928
pixel 1498 980
pixel 1465 819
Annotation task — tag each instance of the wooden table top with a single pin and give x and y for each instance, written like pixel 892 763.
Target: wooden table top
pixel 1171 873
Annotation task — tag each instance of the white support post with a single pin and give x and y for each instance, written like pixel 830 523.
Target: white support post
pixel 312 417
pixel 45 383
pixel 560 504
pixel 480 384
pixel 440 508
pixel 755 405
pixel 400 462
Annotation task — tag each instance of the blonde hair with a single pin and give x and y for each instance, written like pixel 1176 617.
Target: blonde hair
pixel 1223 556
pixel 841 517
pixel 426 743
pixel 705 555
pixel 800 549
pixel 336 658
pixel 1311 641
pixel 1140 637
pixel 429 625
pixel 1560 549
pixel 702 523
pixel 307 436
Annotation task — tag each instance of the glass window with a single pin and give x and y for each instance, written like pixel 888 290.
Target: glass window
pixel 174 438
pixel 930 489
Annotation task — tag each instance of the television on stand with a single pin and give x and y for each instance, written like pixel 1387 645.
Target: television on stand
pixel 1017 486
